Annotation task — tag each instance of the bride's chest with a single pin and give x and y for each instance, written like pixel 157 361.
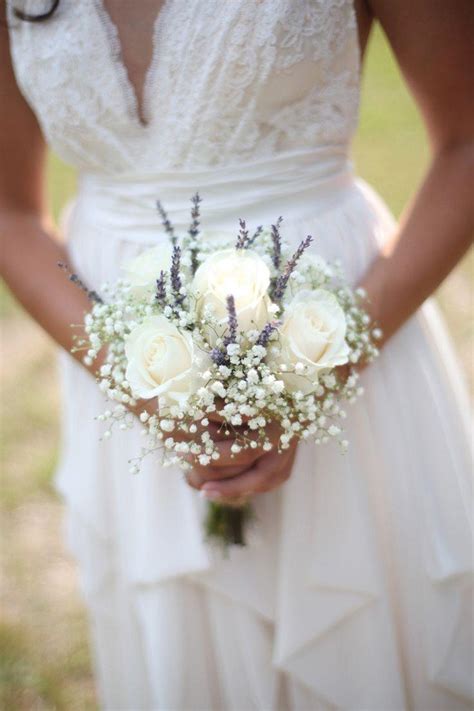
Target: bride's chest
pixel 201 63
pixel 88 46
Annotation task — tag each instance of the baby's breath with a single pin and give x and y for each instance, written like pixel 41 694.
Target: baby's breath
pixel 244 377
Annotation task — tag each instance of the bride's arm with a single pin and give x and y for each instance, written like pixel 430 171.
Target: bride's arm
pixel 29 251
pixel 433 42
pixel 434 45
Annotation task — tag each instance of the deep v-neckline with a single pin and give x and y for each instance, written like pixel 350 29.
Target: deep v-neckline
pixel 136 93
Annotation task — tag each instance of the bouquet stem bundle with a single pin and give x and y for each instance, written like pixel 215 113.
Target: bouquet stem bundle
pixel 227 523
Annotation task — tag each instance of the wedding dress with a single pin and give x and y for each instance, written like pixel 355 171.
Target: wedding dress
pixel 354 590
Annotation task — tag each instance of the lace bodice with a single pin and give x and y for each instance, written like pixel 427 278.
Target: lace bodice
pixel 227 80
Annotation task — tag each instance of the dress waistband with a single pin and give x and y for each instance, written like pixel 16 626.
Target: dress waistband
pixel 297 184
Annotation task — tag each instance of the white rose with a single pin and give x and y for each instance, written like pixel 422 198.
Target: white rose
pixel 312 336
pixel 161 361
pixel 242 273
pixel 143 271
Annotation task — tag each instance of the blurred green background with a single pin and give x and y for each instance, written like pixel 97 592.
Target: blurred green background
pixel 43 638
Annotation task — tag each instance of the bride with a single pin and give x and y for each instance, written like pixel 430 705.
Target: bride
pixel 353 592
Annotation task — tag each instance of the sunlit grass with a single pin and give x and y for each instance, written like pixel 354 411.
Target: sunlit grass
pixel 391 149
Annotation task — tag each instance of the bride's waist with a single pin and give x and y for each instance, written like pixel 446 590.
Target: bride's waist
pixel 296 184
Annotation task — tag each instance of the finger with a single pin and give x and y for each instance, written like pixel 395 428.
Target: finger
pixel 197 478
pixel 216 473
pixel 267 473
pixel 213 416
pixel 193 478
pixel 227 464
pixel 253 481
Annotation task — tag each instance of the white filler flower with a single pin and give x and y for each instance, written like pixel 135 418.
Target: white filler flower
pixel 312 338
pixel 316 263
pixel 242 273
pixel 160 361
pixel 143 271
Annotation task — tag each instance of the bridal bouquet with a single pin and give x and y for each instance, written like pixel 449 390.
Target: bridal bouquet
pixel 234 328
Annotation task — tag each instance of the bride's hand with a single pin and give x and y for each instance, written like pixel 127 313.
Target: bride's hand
pixel 268 471
pixel 252 471
pixel 235 476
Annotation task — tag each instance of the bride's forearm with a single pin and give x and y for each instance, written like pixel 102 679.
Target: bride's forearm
pixel 28 253
pixel 29 266
pixel 435 231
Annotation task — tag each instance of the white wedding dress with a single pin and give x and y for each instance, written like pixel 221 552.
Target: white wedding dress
pixel 354 592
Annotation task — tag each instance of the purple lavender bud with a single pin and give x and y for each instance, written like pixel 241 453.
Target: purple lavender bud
pixel 266 332
pixel 176 283
pixel 166 223
pixel 193 230
pixel 218 356
pixel 231 320
pixel 92 295
pixel 282 281
pixel 161 289
pixel 242 239
pixel 194 226
pixel 276 239
pixel 255 235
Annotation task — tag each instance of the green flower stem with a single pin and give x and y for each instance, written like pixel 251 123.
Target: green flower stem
pixel 226 524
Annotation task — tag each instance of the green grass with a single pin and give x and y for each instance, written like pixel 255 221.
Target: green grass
pixel 22 679
pixel 61 184
pixel 43 642
pixel 391 149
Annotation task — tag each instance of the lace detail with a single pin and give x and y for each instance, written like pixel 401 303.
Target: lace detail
pixel 136 91
pixel 228 81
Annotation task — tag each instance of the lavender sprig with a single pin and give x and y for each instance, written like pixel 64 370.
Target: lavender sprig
pixel 282 281
pixel 176 283
pixel 232 321
pixel 194 226
pixel 276 239
pixel 161 289
pixel 166 223
pixel 256 234
pixel 218 356
pixel 92 295
pixel 193 231
pixel 266 332
pixel 242 239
